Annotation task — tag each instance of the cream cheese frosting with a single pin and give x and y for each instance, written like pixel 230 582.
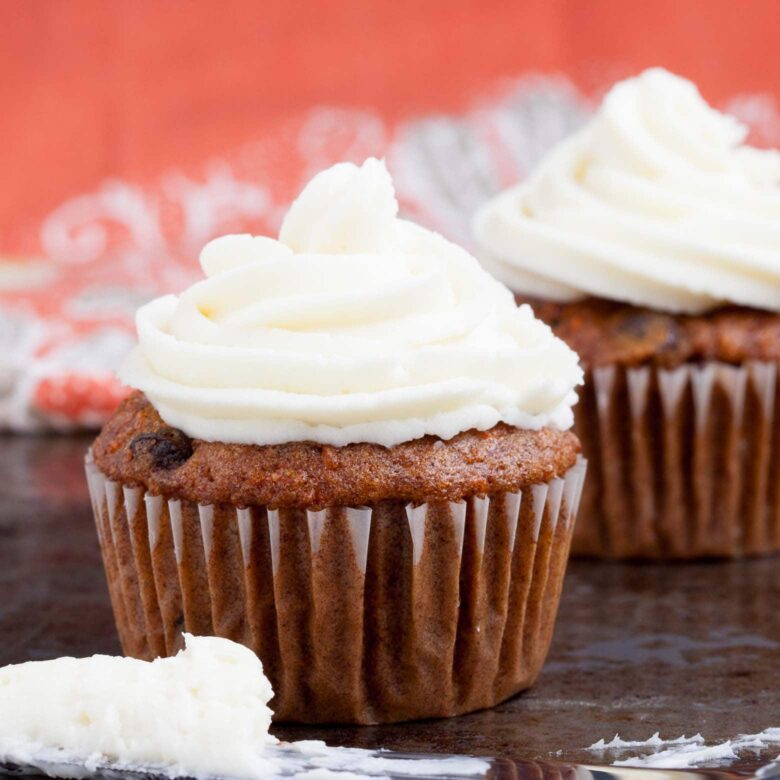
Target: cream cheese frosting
pixel 201 713
pixel 354 326
pixel 657 202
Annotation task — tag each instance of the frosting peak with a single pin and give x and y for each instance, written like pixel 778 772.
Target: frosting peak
pixel 343 210
pixel 353 326
pixel 656 202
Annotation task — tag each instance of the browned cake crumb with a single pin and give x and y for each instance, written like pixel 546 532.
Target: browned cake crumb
pixel 137 447
pixel 608 333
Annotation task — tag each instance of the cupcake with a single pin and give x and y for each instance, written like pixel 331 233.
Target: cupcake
pixel 650 242
pixel 348 450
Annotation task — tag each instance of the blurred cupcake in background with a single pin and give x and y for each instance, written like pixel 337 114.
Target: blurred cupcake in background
pixel 650 242
pixel 348 450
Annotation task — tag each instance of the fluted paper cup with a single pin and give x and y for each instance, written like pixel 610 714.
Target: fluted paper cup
pixel 684 462
pixel 359 614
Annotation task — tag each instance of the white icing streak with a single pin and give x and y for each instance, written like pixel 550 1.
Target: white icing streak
pixel 684 752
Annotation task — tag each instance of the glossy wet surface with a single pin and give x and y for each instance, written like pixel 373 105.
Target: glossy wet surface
pixel 638 649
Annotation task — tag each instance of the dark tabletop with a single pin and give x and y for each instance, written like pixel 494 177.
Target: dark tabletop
pixel 638 649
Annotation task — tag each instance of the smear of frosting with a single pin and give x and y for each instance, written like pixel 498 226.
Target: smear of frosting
pixel 684 752
pixel 657 202
pixel 355 326
pixel 684 756
pixel 616 743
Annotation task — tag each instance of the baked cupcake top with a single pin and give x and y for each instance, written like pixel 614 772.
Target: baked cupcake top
pixel 136 447
pixel 354 326
pixel 656 202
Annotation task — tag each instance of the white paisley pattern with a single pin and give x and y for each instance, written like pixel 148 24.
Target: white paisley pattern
pixel 125 243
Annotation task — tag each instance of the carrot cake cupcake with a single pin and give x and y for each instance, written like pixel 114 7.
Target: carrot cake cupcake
pixel 650 242
pixel 348 450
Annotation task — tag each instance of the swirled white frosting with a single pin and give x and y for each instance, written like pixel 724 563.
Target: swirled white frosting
pixel 355 326
pixel 656 202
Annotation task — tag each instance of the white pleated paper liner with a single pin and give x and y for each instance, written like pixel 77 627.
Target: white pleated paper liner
pixel 359 614
pixel 684 462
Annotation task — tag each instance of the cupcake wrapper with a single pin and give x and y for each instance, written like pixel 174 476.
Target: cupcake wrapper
pixel 684 462
pixel 359 615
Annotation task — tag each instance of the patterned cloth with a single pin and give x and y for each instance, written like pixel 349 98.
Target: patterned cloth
pixel 66 318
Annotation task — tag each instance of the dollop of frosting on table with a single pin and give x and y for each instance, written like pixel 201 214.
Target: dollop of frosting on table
pixel 354 326
pixel 201 713
pixel 656 202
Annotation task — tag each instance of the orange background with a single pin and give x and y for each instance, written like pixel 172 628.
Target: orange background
pixel 92 89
